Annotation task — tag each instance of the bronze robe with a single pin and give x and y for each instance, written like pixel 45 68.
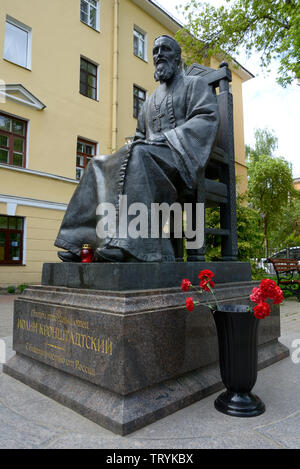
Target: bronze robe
pixel 185 113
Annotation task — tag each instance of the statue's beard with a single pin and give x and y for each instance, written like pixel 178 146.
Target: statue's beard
pixel 164 71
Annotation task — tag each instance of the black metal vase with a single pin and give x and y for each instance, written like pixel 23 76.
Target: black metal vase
pixel 237 335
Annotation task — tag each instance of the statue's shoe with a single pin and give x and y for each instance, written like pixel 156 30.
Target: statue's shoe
pixel 67 256
pixel 113 255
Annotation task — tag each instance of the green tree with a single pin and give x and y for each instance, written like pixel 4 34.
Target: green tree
pixel 271 190
pixel 249 231
pixel 269 27
pixel 266 143
pixel 288 230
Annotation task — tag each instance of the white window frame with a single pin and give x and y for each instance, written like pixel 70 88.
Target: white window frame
pixel 139 31
pixel 28 30
pixel 97 28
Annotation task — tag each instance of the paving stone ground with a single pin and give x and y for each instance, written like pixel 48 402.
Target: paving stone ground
pixel 29 419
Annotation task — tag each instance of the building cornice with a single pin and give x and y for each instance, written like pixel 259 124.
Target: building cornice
pixel 160 14
pixel 237 68
pixel 15 200
pixel 39 173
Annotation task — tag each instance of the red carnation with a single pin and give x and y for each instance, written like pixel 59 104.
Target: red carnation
pixel 257 296
pixel 261 310
pixel 206 274
pixel 185 284
pixel 267 287
pixel 189 303
pixel 277 296
pixel 205 284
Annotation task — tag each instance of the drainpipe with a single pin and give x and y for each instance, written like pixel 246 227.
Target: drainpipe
pixel 114 132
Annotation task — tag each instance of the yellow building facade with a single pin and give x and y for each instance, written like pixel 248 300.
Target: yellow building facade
pixel 72 77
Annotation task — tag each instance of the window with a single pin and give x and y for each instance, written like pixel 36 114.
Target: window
pixel 139 43
pixel 85 152
pixel 12 140
pixel 17 43
pixel 88 79
pixel 11 239
pixel 89 13
pixel 139 97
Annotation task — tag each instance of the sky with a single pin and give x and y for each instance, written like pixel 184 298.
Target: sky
pixel 265 103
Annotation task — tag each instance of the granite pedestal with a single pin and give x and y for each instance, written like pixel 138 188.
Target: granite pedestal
pixel 129 357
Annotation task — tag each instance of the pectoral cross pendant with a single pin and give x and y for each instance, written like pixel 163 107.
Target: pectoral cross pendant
pixel 156 121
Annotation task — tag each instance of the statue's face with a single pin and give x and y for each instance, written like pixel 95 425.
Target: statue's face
pixel 165 59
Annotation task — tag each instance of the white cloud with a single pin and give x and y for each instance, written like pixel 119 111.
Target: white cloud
pixel 268 105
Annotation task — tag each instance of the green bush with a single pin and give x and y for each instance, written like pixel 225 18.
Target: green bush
pixel 289 292
pixel 22 287
pixel 19 289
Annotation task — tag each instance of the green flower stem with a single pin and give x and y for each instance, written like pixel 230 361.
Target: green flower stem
pixel 211 291
pixel 214 296
pixel 199 291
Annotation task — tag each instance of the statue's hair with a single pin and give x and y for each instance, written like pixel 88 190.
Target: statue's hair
pixel 177 46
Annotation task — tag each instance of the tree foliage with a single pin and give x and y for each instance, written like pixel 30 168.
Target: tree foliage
pixel 271 190
pixel 269 27
pixel 249 231
pixel 288 231
pixel 266 143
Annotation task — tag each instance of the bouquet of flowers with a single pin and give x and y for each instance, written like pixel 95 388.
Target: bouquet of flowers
pixel 206 284
pixel 268 289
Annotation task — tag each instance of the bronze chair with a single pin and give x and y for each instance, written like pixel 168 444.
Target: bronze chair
pixel 216 186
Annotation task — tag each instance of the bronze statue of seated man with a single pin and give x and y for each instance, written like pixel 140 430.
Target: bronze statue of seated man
pixel 176 130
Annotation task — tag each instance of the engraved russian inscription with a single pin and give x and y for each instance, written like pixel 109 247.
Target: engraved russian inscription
pixel 64 339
